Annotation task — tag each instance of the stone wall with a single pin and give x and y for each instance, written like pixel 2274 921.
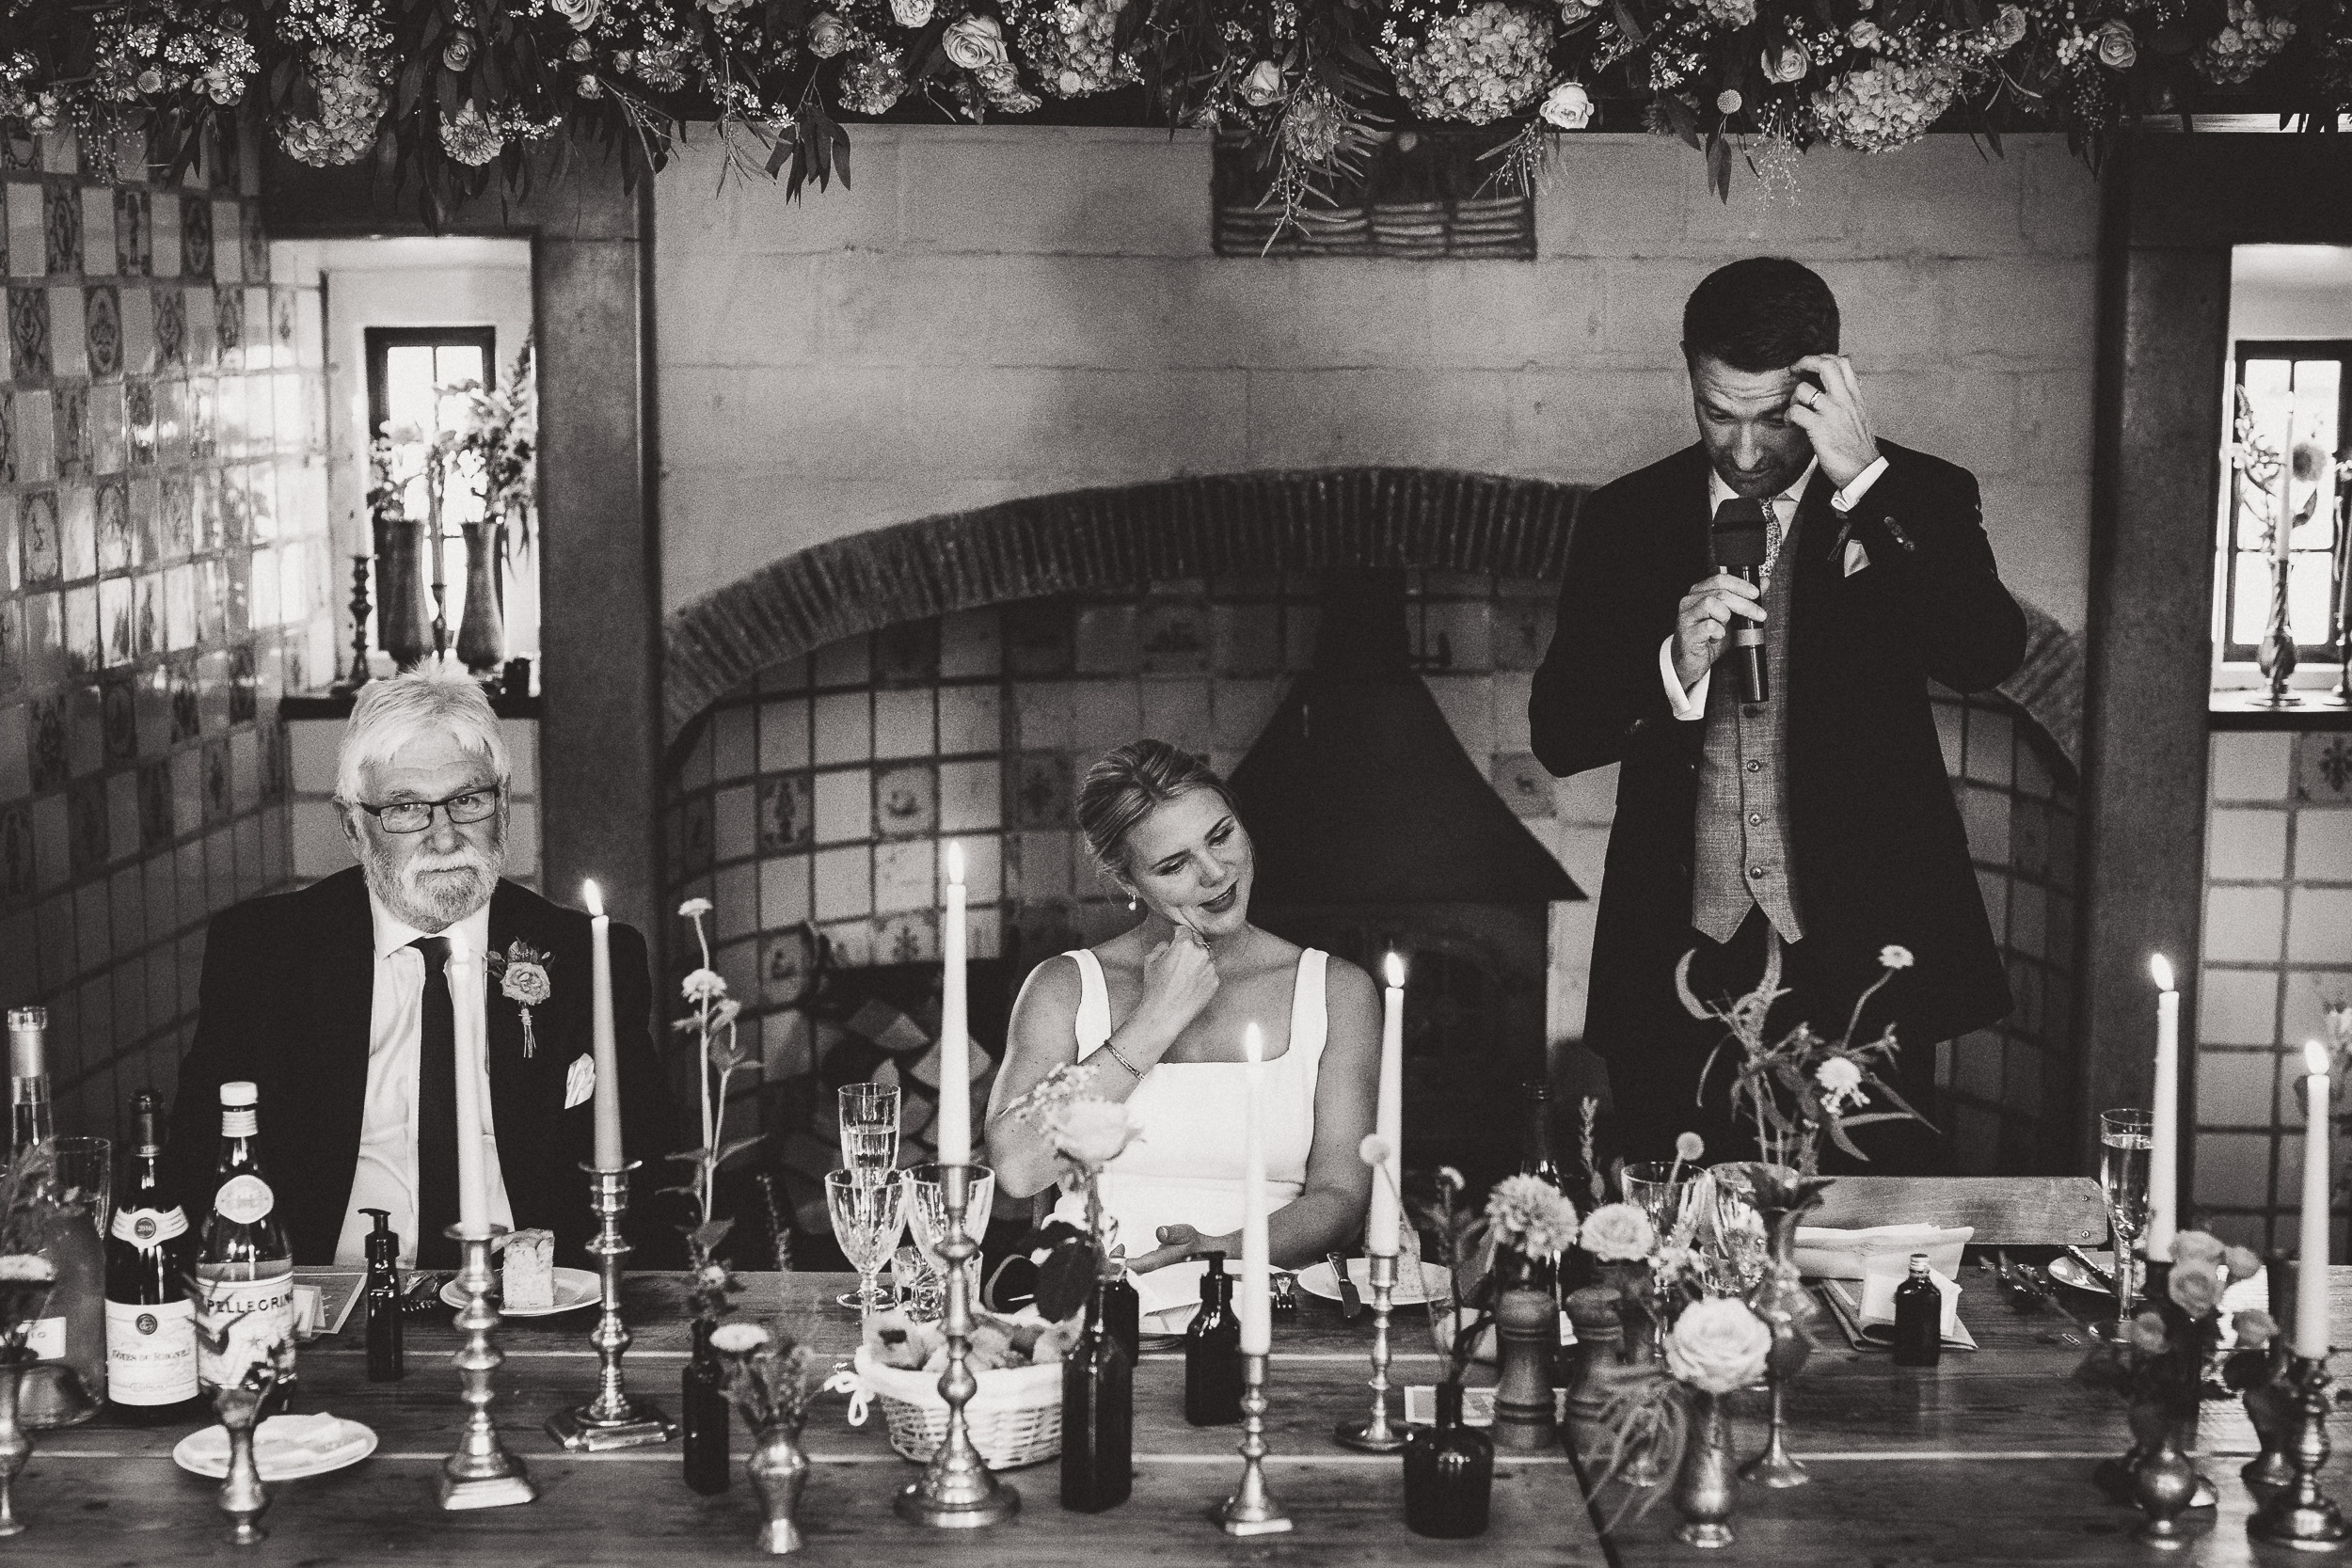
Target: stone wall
pixel 997 313
pixel 165 577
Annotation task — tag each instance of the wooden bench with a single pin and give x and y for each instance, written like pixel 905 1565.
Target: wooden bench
pixel 2006 1211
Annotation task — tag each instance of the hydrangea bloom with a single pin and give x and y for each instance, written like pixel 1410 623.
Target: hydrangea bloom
pixel 1885 103
pixel 1492 61
pixel 1071 46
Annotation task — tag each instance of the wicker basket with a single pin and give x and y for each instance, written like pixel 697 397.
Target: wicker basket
pixel 1015 1414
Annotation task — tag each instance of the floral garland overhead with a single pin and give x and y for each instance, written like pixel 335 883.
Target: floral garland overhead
pixel 459 91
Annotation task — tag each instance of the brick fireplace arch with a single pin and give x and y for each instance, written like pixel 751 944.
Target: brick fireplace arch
pixel 1082 540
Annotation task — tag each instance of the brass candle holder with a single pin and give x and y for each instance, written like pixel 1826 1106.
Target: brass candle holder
pixel 612 1419
pixel 242 1497
pixel 1251 1509
pixel 2299 1514
pixel 957 1490
pixel 481 1474
pixel 1374 1435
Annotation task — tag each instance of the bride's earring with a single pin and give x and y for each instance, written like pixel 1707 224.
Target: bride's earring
pixel 1132 905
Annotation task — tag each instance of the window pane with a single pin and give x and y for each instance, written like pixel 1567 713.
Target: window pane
pixel 408 395
pixel 2252 603
pixel 2308 582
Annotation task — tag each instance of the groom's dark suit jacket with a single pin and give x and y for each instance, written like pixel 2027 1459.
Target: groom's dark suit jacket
pixel 288 988
pixel 1877 851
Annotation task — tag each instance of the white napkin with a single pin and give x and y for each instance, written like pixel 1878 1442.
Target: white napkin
pixel 1878 1295
pixel 1826 1254
pixel 284 1444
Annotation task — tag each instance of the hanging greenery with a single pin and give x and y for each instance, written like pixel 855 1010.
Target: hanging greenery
pixel 459 91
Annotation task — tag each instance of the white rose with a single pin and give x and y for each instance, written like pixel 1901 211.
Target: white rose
pixel 738 1338
pixel 1093 1133
pixel 1263 86
pixel 973 41
pixel 1718 1345
pixel 2117 49
pixel 827 36
pixel 581 14
pixel 1863 35
pixel 910 13
pixel 1618 1233
pixel 2008 27
pixel 1568 106
pixel 1789 63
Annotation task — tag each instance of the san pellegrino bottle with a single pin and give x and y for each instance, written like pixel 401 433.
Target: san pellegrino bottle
pixel 246 1268
pixel 70 1337
pixel 151 1323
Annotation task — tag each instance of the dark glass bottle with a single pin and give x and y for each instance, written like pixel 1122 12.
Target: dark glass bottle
pixel 1449 1473
pixel 1536 1160
pixel 1212 1376
pixel 1918 1318
pixel 703 1413
pixel 1122 1314
pixel 151 1323
pixel 386 1358
pixel 1098 1412
pixel 68 1383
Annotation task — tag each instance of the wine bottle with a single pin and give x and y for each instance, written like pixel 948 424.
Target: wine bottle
pixel 68 1382
pixel 245 1269
pixel 1097 1423
pixel 151 1323
pixel 1212 1371
pixel 1536 1160
pixel 704 1415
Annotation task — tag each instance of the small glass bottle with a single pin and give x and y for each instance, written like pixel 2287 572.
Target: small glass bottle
pixel 703 1413
pixel 1097 1423
pixel 1212 1371
pixel 1918 1317
pixel 387 1358
pixel 1122 1311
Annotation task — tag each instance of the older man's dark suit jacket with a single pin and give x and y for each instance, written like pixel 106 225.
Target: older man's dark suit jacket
pixel 1877 848
pixel 288 988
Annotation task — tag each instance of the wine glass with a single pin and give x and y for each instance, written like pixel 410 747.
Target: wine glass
pixel 869 1211
pixel 1741 1243
pixel 869 1126
pixel 1656 1189
pixel 927 1215
pixel 2126 1137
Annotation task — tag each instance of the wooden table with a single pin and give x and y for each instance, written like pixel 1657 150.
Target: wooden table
pixel 1986 1459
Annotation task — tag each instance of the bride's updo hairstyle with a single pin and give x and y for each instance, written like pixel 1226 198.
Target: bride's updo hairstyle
pixel 1124 787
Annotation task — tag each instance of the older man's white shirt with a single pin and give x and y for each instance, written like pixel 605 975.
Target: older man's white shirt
pixel 387 1175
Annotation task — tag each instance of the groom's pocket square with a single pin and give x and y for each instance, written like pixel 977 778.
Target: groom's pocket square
pixel 579 1082
pixel 1856 557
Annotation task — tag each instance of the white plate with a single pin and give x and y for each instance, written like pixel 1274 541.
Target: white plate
pixel 205 1452
pixel 573 1289
pixel 1316 1279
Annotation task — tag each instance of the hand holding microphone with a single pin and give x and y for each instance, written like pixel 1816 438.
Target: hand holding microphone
pixel 1714 609
pixel 1742 548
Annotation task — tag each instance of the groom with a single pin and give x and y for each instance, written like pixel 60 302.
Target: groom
pixel 343 1002
pixel 1821 817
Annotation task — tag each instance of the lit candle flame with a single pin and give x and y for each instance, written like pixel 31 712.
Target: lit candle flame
pixel 1253 1044
pixel 1396 971
pixel 2161 967
pixel 592 896
pixel 2316 1058
pixel 955 861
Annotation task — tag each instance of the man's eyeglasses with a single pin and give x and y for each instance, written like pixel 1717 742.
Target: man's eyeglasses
pixel 415 817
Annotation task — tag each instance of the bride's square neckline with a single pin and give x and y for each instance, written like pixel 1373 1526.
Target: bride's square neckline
pixel 1290 1016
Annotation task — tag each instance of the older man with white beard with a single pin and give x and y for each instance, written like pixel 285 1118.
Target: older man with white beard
pixel 342 1002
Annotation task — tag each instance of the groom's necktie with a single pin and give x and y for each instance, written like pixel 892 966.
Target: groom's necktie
pixel 436 1112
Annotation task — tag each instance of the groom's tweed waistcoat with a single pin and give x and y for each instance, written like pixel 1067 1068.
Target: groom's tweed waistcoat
pixel 1739 842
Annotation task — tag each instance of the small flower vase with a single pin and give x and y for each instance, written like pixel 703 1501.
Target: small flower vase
pixel 778 1470
pixel 16 1448
pixel 1709 1482
pixel 2164 1484
pixel 400 618
pixel 2275 1410
pixel 1449 1473
pixel 703 1414
pixel 1527 1330
pixel 1098 1414
pixel 481 635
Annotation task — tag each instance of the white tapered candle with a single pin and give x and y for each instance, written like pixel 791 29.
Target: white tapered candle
pixel 955 1033
pixel 1385 1227
pixel 1257 1309
pixel 2311 1273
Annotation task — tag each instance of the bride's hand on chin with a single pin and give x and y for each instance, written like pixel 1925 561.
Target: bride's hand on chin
pixel 1179 980
pixel 1177 1243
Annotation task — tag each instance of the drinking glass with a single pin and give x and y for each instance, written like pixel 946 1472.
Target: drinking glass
pixel 1659 1191
pixel 86 1175
pixel 869 1212
pixel 2126 1137
pixel 927 1215
pixel 869 1126
pixel 1741 1243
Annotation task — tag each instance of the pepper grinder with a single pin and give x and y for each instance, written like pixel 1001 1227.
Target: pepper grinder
pixel 385 1363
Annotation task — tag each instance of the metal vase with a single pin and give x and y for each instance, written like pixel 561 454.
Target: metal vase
pixel 2163 1486
pixel 1709 1482
pixel 778 1470
pixel 1781 1302
pixel 400 621
pixel 481 635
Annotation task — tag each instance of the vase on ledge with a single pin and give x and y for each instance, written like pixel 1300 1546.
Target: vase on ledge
pixel 400 628
pixel 481 635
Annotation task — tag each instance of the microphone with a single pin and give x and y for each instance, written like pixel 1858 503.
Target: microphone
pixel 1740 547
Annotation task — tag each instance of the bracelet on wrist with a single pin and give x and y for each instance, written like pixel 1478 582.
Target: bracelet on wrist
pixel 1132 1071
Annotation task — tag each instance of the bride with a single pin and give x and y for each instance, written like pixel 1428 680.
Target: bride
pixel 1156 1015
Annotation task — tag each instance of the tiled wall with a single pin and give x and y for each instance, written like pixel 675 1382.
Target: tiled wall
pixel 821 791
pixel 2278 949
pixel 165 580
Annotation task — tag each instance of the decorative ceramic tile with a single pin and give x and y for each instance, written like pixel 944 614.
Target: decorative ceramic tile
pixel 195 237
pixel 229 328
pixel 29 332
pixel 36 527
pixel 101 328
pixel 61 226
pixel 71 408
pixel 134 237
pixel 172 327
pixel 906 800
pixel 785 814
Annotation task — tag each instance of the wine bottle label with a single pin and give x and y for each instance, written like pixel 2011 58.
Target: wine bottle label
pixel 151 1352
pixel 46 1339
pixel 148 1229
pixel 245 1199
pixel 249 1315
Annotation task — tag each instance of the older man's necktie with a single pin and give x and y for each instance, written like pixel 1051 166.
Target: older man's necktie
pixel 436 1112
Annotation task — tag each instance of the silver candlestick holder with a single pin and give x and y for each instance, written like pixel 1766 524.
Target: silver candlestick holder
pixel 481 1474
pixel 2299 1514
pixel 957 1490
pixel 1251 1509
pixel 1374 1435
pixel 612 1419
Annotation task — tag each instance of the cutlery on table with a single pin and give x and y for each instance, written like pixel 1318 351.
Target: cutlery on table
pixel 2106 1279
pixel 1351 1300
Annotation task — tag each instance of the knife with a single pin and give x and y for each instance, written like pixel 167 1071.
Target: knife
pixel 2102 1275
pixel 1351 1301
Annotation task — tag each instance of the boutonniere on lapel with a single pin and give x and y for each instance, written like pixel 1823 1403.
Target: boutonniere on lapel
pixel 523 972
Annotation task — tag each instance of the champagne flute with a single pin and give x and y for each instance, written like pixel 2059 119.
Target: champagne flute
pixel 869 1127
pixel 2126 1137
pixel 869 1212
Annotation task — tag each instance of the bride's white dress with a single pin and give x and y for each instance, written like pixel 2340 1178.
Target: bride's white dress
pixel 1186 1167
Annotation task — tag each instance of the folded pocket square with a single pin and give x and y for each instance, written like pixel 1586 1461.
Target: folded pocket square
pixel 1856 557
pixel 579 1082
